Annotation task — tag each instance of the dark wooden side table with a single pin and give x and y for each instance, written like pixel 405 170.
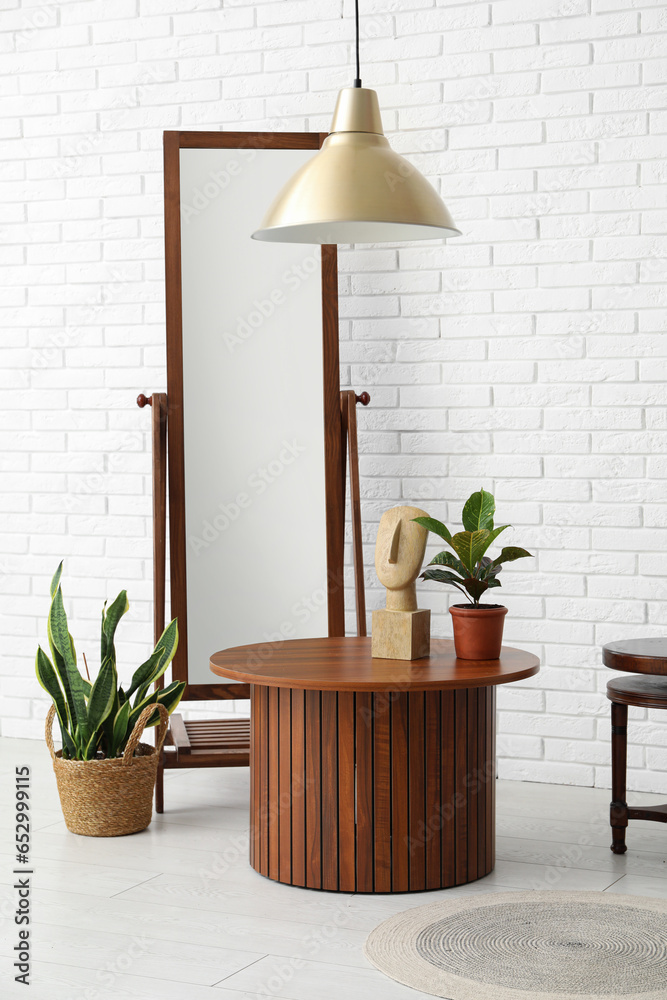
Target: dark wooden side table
pixel 371 775
pixel 648 659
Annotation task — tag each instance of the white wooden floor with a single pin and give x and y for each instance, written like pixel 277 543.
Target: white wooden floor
pixel 176 912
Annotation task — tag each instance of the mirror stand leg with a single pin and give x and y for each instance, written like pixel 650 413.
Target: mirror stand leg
pixel 159 789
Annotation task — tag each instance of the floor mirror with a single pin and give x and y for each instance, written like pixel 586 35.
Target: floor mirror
pixel 253 419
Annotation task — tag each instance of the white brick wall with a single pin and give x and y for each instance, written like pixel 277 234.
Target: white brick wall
pixel 528 356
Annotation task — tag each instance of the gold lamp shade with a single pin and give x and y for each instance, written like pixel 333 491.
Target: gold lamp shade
pixel 356 189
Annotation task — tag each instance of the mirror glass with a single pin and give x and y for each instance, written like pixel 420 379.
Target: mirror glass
pixel 253 425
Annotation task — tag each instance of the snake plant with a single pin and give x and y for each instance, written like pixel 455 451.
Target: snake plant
pixel 467 568
pixel 98 718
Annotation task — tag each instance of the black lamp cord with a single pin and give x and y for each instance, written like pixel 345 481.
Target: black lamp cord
pixel 357 82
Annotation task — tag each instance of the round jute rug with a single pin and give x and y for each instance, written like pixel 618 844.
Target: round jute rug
pixel 528 946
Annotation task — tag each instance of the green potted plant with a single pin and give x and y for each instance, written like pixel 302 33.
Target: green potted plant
pixel 105 776
pixel 478 628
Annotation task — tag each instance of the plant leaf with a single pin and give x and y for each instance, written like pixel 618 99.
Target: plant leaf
pixel 64 680
pixel 169 697
pixel 449 559
pixel 65 664
pixel 48 679
pixel 107 725
pixel 103 640
pixel 69 747
pixel 484 568
pixel 56 580
pixel 442 576
pixel 91 746
pixel 80 743
pixel 158 661
pixel 120 729
pixel 491 536
pixel 102 694
pixel 478 511
pixel 141 693
pixel 471 546
pixel 168 640
pixel 509 554
pixel 437 527
pixel 475 587
pixel 110 621
pixel 136 710
pixel 141 678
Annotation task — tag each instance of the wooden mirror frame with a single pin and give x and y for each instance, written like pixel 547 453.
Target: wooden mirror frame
pixel 334 457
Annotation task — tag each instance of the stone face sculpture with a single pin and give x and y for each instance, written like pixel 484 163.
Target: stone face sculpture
pixel 401 631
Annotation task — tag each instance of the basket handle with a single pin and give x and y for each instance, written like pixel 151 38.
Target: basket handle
pixel 48 731
pixel 134 738
pixel 139 728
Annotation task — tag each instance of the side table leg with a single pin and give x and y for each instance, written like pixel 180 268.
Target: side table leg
pixel 619 761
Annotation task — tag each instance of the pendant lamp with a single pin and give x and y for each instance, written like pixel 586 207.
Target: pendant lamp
pixel 356 189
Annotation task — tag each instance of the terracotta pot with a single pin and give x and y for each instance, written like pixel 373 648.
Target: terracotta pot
pixel 478 632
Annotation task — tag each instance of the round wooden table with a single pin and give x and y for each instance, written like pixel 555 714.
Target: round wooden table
pixel 637 656
pixel 645 660
pixel 371 775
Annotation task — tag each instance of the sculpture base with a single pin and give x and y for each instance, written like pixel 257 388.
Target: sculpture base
pixel 401 635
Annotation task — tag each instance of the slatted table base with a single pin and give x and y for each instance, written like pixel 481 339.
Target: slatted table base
pixel 372 792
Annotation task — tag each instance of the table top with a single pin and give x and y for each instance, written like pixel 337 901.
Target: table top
pixel 637 656
pixel 346 664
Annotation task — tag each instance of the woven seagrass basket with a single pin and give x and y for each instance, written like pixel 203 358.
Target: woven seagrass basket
pixel 110 798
